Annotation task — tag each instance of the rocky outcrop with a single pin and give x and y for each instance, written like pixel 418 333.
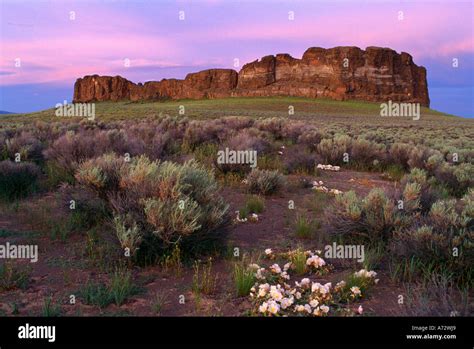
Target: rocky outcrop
pixel 341 73
pixel 102 88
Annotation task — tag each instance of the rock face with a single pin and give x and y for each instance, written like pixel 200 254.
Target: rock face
pixel 341 73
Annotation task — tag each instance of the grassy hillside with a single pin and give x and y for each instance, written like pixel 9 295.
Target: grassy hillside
pixel 255 107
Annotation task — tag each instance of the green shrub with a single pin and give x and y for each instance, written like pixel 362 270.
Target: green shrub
pixel 127 233
pixel 121 286
pixel 270 162
pixel 101 174
pixel 265 182
pixel 206 154
pixel 172 261
pixel 420 243
pixel 443 215
pixel 365 154
pixel 399 154
pixel 467 213
pixel 464 174
pixel 419 156
pixel 13 277
pixel 255 204
pixel 437 295
pixel 418 190
pixel 57 175
pixel 373 256
pixel 203 280
pixel 371 220
pixel 434 162
pixel 332 150
pixel 301 161
pixel 411 197
pixel 380 215
pixel 403 270
pixel 26 145
pixel 159 302
pixel 304 227
pixel 157 204
pixel 84 209
pixel 298 262
pixel 244 278
pixel 444 243
pixel 364 284
pixel 96 294
pixel 416 175
pixel 50 308
pixel 17 180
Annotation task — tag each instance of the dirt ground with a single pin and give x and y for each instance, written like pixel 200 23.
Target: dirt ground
pixel 63 267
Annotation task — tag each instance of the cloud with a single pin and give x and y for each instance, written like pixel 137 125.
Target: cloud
pixel 425 31
pixel 54 49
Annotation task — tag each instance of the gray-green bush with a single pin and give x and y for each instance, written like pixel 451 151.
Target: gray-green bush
pixel 159 204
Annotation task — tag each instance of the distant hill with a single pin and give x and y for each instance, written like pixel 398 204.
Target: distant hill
pixel 6 112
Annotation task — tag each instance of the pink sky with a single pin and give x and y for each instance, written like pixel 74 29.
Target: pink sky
pixel 53 48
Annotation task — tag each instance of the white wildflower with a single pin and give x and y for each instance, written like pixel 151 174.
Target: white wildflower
pixel 273 307
pixel 299 308
pixel 305 282
pixel 324 308
pixel 254 266
pixel 315 261
pixel 275 294
pixel 263 308
pixel 355 290
pixel 286 302
pixel 275 268
pixel 259 274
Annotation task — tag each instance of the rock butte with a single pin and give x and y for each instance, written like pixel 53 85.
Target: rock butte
pixel 340 73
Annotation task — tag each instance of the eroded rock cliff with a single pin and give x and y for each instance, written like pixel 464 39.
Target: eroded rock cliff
pixel 341 73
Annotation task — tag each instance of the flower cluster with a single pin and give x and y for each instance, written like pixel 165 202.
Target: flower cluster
pixel 306 262
pixel 252 218
pixel 274 294
pixel 315 261
pixel 269 252
pixel 319 186
pixel 366 278
pixel 240 219
pixel 328 167
pixel 357 285
pixel 363 273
